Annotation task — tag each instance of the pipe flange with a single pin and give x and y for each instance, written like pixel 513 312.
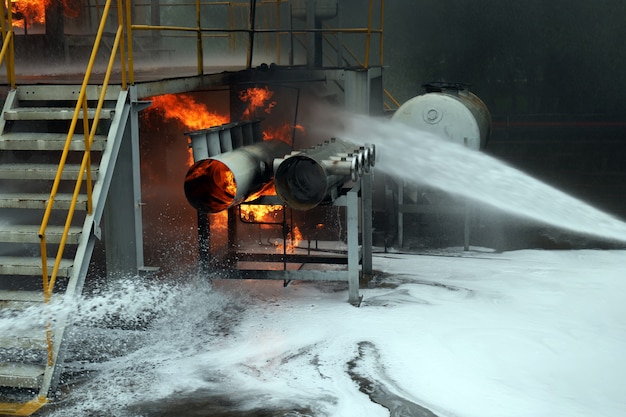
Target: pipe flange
pixel 432 115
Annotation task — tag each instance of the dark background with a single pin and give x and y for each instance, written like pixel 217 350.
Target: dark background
pixel 552 74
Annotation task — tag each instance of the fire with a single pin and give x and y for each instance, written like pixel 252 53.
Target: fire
pixel 284 133
pixel 268 189
pixel 210 186
pixel 189 112
pixel 294 237
pixel 257 97
pixel 269 214
pixel 193 115
pixel 260 213
pixel 29 12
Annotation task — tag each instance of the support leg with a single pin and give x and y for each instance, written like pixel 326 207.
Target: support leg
pixel 352 209
pixel 366 229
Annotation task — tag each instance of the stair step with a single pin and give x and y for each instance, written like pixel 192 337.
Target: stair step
pixel 36 340
pixel 21 375
pixel 43 92
pixel 31 266
pixel 22 296
pixel 38 201
pixel 20 233
pixel 17 305
pixel 28 141
pixel 52 113
pixel 28 171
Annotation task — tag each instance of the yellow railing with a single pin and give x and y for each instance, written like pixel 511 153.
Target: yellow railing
pixel 81 111
pixel 8 41
pixel 249 28
pixel 124 45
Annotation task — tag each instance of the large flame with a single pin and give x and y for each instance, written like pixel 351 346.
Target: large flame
pixel 258 213
pixel 185 109
pixel 196 116
pixel 29 12
pixel 257 98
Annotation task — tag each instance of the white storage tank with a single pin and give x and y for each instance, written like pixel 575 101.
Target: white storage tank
pixel 449 111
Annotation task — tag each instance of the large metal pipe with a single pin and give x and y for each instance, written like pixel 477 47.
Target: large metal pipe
pixel 307 178
pixel 230 178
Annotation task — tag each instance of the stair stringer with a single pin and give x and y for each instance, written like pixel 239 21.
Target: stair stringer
pixel 91 232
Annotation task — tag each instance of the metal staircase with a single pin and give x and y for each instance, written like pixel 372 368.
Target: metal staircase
pixel 33 132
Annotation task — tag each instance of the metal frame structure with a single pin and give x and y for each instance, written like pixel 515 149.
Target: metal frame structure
pixel 357 199
pixel 362 85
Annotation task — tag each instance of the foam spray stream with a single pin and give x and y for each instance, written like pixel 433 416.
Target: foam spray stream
pixel 423 158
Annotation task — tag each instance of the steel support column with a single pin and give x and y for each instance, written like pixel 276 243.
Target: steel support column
pixel 363 91
pixel 352 211
pixel 123 212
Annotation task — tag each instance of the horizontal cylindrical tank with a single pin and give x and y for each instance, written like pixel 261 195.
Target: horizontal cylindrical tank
pixel 449 111
pixel 307 178
pixel 217 183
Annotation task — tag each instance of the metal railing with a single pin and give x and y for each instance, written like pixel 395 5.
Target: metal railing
pixel 123 44
pixel 243 21
pixel 7 55
pixel 81 111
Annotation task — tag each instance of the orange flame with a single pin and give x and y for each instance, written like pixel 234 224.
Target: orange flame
pixel 294 237
pixel 260 213
pixel 29 12
pixel 284 133
pixel 188 111
pixel 257 97
pixel 193 115
pixel 269 213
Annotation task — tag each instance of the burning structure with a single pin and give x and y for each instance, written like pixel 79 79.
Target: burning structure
pixel 74 146
pixel 73 151
pixel 233 165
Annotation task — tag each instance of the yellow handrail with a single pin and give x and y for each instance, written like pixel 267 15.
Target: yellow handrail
pixel 8 42
pixel 85 167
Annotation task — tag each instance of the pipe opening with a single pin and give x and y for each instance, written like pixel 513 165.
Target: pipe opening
pixel 301 182
pixel 210 186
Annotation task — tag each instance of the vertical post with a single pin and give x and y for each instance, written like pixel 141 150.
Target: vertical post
pixel 366 228
pixel 352 211
pixel 339 36
pixel 357 91
pixel 123 210
pixel 129 35
pixel 400 213
pixel 55 30
pixel 155 20
pixel 199 41
pixel 382 37
pixel 368 36
pixel 231 257
pixel 466 231
pixel 252 18
pixel 291 51
pixel 136 107
pixel 123 247
pixel 278 32
pixel 310 33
